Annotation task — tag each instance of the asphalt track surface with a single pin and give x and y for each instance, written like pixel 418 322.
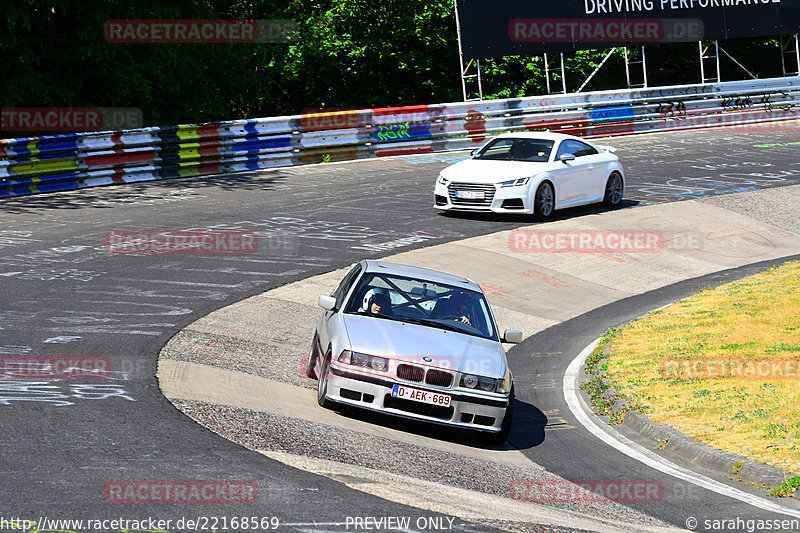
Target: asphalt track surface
pixel 63 294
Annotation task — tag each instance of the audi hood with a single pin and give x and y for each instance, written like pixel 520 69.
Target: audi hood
pixel 492 171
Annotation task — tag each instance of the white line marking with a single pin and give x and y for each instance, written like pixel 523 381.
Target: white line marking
pixel 641 454
pixel 188 283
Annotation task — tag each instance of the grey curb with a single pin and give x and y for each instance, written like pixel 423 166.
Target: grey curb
pixel 679 446
pixel 702 454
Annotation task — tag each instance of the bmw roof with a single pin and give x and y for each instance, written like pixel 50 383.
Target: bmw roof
pixel 412 271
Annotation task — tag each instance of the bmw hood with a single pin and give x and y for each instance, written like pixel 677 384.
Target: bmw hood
pixel 488 171
pixel 413 343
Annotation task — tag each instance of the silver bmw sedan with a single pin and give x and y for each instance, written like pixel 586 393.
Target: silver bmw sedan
pixel 416 343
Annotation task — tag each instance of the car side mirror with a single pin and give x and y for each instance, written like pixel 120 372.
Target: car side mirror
pixel 566 158
pixel 326 302
pixel 512 336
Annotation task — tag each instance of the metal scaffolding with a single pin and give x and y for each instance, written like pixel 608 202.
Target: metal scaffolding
pixel 705 56
pixel 709 52
pixel 791 49
pixel 563 76
pixel 629 62
pixel 465 70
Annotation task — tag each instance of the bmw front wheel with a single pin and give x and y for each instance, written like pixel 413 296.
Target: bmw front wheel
pixel 312 357
pixel 322 385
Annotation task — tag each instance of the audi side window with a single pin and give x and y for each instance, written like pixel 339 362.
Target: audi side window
pixel 564 148
pixel 582 149
pixel 496 150
pixel 576 148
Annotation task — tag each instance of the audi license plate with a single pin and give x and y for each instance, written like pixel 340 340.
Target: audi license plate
pixel 406 393
pixel 470 195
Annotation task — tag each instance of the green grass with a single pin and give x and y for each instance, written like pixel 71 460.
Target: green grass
pixel 694 366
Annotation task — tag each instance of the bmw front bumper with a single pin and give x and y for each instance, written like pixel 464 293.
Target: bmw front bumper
pixel 469 411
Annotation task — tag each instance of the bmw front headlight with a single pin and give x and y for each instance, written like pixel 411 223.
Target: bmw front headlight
pixel 470 381
pixel 372 362
pixel 515 183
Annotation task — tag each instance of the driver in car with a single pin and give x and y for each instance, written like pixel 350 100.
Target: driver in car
pixel 380 304
pixel 460 308
pixel 517 152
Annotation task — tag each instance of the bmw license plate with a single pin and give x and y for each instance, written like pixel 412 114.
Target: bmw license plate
pixel 407 393
pixel 470 195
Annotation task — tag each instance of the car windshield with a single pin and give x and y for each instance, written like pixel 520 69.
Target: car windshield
pixel 533 150
pixel 422 302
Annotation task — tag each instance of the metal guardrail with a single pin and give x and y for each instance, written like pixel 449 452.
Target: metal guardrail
pixel 73 161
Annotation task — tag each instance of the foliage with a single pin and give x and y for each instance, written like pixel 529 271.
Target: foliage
pixel 349 53
pixel 787 488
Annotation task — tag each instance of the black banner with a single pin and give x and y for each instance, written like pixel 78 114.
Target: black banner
pixel 494 28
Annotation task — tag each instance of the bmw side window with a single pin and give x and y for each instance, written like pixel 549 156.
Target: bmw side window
pixel 344 287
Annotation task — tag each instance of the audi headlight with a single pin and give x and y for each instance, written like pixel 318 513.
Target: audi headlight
pixel 514 183
pixel 441 180
pixel 372 362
